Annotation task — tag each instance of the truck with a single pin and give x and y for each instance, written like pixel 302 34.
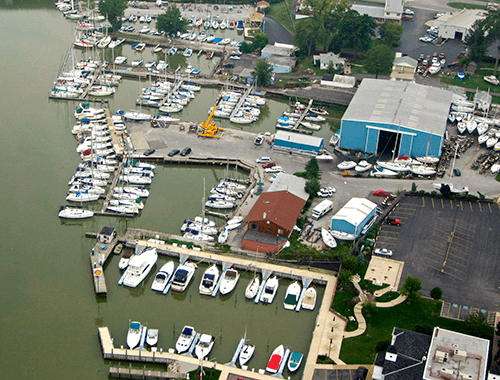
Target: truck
pixel 322 209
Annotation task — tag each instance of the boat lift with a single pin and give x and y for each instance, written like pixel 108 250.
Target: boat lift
pixel 283 363
pixel 144 333
pixel 193 345
pixel 210 129
pixel 225 267
pixel 265 277
pixel 237 352
pixel 305 284
pixel 122 278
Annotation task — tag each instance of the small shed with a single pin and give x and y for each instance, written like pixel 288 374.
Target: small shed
pixel 261 5
pixel 282 65
pixel 297 143
pixel 106 235
pixel 483 100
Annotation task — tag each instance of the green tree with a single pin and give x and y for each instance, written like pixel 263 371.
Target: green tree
pixel 436 293
pixel 477 41
pixel 391 33
pixel 171 22
pixel 369 308
pixel 344 278
pixel 476 325
pixel 414 187
pixel 379 60
pixel 350 263
pixel 113 10
pixel 246 47
pixel 354 31
pixel 312 169
pixel 491 28
pixel 312 187
pixel 263 72
pixel 411 288
pixel 305 35
pixel 361 259
pixel 259 41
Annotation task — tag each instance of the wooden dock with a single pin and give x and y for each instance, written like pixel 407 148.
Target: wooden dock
pixel 241 101
pixel 111 190
pixel 135 373
pixel 98 256
pixel 303 115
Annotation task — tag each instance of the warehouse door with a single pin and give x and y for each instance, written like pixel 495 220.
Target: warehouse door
pixel 388 144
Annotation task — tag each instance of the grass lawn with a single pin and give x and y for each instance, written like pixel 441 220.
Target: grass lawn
pixel 475 81
pixel 342 305
pixel 281 13
pixel 459 5
pixel 308 63
pixel 387 297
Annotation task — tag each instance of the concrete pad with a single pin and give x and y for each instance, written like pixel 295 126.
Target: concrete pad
pixel 385 271
pixel 139 140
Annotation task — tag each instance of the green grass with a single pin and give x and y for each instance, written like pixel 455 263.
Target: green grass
pixel 387 297
pixel 281 13
pixel 476 81
pixel 342 305
pixel 308 63
pixel 459 5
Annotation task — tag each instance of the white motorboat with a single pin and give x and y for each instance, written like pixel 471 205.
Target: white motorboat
pixel 120 60
pixel 252 287
pixel 198 236
pixel 219 204
pixel 363 166
pixel 382 172
pixel 139 267
pixel 455 189
pixel 171 107
pixel 82 197
pixel 233 226
pixel 67 212
pixel 204 221
pixel 152 337
pixel 341 235
pixel 204 346
pixel 292 295
pixel 347 165
pixel 315 118
pixel 235 220
pixel 185 340
pixel 492 80
pixel 134 335
pixel 422 170
pixel 125 259
pixel 270 290
pixel 275 361
pixel 428 160
pixel 229 281
pixel 162 277
pixel 328 239
pixel 294 361
pixel 223 236
pixel 182 276
pixel 481 139
pixel 435 68
pixel 394 166
pixel 309 301
pixel 137 116
pixel 115 43
pixel 246 354
pixel 209 280
pixel 195 228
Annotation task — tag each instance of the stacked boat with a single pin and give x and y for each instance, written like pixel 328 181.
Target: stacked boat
pixel 167 96
pixel 198 230
pixel 224 195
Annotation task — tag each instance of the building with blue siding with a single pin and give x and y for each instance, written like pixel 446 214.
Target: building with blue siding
pixel 396 118
pixel 297 143
pixel 352 218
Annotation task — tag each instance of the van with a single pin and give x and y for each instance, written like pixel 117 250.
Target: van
pixel 322 209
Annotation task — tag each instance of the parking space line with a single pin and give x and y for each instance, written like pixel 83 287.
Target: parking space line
pixel 480 208
pixel 430 266
pixel 452 275
pixel 423 202
pixel 470 204
pixel 461 206
pixel 442 203
pixel 440 262
pixel 451 204
pixel 432 200
pixel 454 262
pixel 489 205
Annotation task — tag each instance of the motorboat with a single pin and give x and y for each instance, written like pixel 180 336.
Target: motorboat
pixel 123 209
pixel 139 267
pixel 193 227
pixel 347 165
pixel 319 111
pixel 134 335
pixel 422 170
pixel 275 360
pixel 209 280
pixel 223 236
pixel 492 80
pixel 434 68
pixel 363 166
pixel 455 189
pixel 495 168
pixel 246 354
pixel 270 290
pixel 310 125
pixel 229 281
pixel 315 118
pixel 67 212
pixel 141 46
pixel 137 116
pixel 115 42
pixel 341 235
pixel 252 288
pixel 219 204
pixel 198 236
pixel 152 337
pixel 235 220
pixel 204 346
pixel 491 142
pixel 204 221
pixel 328 239
pixel 382 172
pixel 483 138
pixel 292 295
pixel 482 128
pixel 188 52
pixel 125 259
pixel 185 340
pixel 294 361
pixel 394 166
pixel 163 276
pixel 428 160
pixel 120 60
pixel 182 276
pixel 309 301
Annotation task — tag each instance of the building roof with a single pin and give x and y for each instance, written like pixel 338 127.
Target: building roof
pixel 394 6
pixel 299 138
pixel 263 238
pixel 355 211
pixel 373 11
pixel 406 104
pixel 290 183
pixel 262 3
pixel 495 370
pixel 475 349
pixel 329 57
pixel 278 50
pixel 280 207
pixel 282 61
pixel 256 16
pixel 405 61
pixel 463 19
pixel 107 231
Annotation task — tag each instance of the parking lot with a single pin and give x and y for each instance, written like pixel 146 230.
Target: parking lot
pixel 451 244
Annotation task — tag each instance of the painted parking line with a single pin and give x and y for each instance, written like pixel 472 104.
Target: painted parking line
pixel 489 205
pixel 442 203
pixel 432 201
pixel 461 205
pixel 470 204
pixel 452 275
pixel 451 204
pixel 453 261
pixel 480 208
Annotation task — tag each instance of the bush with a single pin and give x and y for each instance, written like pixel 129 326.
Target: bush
pixel 382 345
pixel 436 293
pixel 427 330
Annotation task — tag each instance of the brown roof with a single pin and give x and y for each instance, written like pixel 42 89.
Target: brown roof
pixel 280 207
pixel 263 4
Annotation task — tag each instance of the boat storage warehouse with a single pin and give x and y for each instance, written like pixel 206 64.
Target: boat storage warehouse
pixel 355 215
pixel 297 143
pixel 396 118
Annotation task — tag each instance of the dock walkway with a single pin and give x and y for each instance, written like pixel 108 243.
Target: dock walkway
pixel 98 256
pixel 303 115
pixel 241 101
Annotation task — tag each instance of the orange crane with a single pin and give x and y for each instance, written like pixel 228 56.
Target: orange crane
pixel 210 129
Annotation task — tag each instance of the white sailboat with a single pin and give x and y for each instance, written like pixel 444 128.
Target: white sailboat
pixel 328 239
pixel 67 212
pixel 253 287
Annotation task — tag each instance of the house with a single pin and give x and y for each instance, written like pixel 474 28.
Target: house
pixel 483 100
pixel 282 65
pixel 261 5
pixel 106 235
pixel 297 143
pixel 324 60
pixel 350 220
pixel 404 67
pixel 279 56
pixel 255 19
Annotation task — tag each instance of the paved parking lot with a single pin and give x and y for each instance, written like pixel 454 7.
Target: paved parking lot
pixel 451 244
pixel 334 374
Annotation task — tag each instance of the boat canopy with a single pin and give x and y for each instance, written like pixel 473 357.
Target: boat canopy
pixel 187 331
pixel 135 325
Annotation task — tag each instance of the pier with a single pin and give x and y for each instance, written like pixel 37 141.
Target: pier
pixel 98 256
pixel 241 101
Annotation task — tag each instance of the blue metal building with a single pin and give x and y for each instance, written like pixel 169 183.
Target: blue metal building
pixel 355 214
pixel 297 143
pixel 397 118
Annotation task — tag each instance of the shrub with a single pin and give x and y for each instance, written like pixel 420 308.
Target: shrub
pixel 382 345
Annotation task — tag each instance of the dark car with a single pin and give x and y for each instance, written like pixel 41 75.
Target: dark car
pixel 394 221
pixel 173 152
pixel 149 152
pixel 361 373
pixel 456 172
pixel 185 151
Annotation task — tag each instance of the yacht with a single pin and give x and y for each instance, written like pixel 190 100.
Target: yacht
pixel 185 340
pixel 209 280
pixel 204 346
pixel 182 276
pixel 309 301
pixel 292 296
pixel 139 267
pixel 270 290
pixel 134 335
pixel 229 281
pixel 163 276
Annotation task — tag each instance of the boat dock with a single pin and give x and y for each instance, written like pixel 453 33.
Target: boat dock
pixel 241 101
pixel 135 373
pixel 98 256
pixel 147 103
pixel 303 115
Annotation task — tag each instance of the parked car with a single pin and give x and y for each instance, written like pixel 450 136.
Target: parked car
pixel 394 221
pixel 383 252
pixel 326 192
pixel 382 193
pixel 456 172
pixel 269 165
pixel 259 140
pixel 173 152
pixel 408 12
pixel 263 160
pixel 149 152
pixel 361 373
pixel 185 151
pixel 274 169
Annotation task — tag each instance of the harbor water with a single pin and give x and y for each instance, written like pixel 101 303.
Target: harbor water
pixel 49 313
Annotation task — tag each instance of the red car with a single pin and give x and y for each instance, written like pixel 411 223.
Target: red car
pixel 382 193
pixel 269 165
pixel 394 221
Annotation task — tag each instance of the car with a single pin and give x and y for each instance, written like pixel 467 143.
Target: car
pixel 269 165
pixel 456 172
pixel 326 192
pixel 274 169
pixel 383 252
pixel 263 160
pixel 361 373
pixel 408 12
pixel 185 151
pixel 173 152
pixel 382 193
pixel 149 152
pixel 394 221
pixel 259 140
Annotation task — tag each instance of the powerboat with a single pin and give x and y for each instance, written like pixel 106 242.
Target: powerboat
pixel 67 212
pixel 152 337
pixel 182 276
pixel 134 335
pixel 123 263
pixel 383 172
pixel 328 239
pixel 292 295
pixel 223 236
pixel 270 290
pixel 315 118
pixel 428 160
pixel 185 340
pixel 139 267
pixel 275 360
pixel 309 301
pixel 246 354
pixel 363 166
pixel 492 80
pixel 204 346
pixel 252 288
pixel 455 189
pixel 229 281
pixel 347 165
pixel 394 166
pixel 162 277
pixel 295 361
pixel 209 280
pixel 219 204
pixel 204 221
pixel 137 116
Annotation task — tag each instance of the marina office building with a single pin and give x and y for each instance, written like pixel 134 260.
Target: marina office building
pixel 396 118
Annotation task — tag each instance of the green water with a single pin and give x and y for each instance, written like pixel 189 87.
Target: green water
pixel 49 314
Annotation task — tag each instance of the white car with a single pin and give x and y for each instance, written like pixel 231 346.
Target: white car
pixel 274 169
pixel 408 12
pixel 263 160
pixel 383 252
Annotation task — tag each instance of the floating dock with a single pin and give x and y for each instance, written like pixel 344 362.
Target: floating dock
pixel 98 256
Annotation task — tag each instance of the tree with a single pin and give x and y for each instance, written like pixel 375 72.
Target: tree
pixel 379 60
pixel 391 33
pixel 344 278
pixel 349 262
pixel 246 47
pixel 171 22
pixel 305 35
pixel 259 41
pixel 312 187
pixel 476 325
pixel 113 10
pixel 263 72
pixel 411 287
pixel 361 259
pixel 477 41
pixel 353 31
pixel 436 293
pixel 369 307
pixel 414 187
pixel 312 169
